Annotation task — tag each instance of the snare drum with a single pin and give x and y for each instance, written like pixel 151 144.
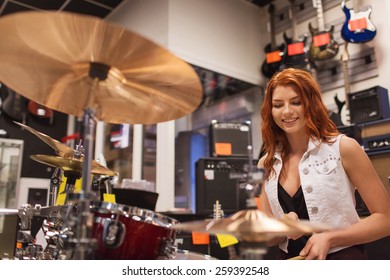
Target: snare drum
pixel 188 255
pixel 131 233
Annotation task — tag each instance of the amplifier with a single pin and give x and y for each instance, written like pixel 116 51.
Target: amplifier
pixel 369 105
pixel 353 131
pixel 376 135
pixel 229 139
pixel 218 179
pixel 381 162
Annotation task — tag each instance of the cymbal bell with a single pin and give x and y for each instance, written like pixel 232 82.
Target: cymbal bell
pixel 60 148
pixel 71 62
pixel 72 165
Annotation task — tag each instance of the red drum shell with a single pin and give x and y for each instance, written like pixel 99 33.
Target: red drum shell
pixel 145 235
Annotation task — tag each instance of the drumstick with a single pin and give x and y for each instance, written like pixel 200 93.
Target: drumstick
pixel 297 258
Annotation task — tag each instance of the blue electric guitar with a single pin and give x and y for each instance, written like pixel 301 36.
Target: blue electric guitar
pixel 358 27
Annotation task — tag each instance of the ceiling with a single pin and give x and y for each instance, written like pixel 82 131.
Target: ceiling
pixel 99 8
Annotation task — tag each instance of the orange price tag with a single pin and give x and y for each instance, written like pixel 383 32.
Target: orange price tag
pixel 223 149
pixel 295 48
pixel 200 238
pixel 272 57
pixel 321 40
pixel 357 24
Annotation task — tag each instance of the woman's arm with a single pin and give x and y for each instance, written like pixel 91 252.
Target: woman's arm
pixel 365 179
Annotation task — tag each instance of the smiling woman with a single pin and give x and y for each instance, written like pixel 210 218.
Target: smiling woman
pixel 312 172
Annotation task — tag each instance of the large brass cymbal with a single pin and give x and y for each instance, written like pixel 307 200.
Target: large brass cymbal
pixel 55 59
pixel 60 148
pixel 251 226
pixel 72 165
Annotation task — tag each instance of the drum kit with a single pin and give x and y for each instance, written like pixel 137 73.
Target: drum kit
pixel 90 68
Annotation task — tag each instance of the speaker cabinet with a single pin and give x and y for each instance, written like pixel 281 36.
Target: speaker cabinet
pixel 218 179
pixel 229 139
pixel 381 162
pixel 369 105
pixel 376 135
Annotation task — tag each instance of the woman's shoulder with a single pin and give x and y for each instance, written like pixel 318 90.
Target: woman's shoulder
pixel 260 163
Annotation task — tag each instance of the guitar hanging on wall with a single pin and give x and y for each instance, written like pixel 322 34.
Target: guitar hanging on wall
pixel 273 52
pixel 358 27
pixel 322 46
pixel 344 112
pixel 295 54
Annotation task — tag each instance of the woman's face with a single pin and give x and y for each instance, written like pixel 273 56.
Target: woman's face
pixel 287 110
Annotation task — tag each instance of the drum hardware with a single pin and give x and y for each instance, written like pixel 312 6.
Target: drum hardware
pixel 114 233
pixel 55 182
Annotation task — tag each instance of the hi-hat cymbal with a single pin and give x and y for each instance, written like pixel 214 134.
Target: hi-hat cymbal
pixel 72 165
pixel 56 59
pixel 60 148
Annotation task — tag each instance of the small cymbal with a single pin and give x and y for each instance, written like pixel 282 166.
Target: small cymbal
pixel 60 148
pixel 72 165
pixel 71 62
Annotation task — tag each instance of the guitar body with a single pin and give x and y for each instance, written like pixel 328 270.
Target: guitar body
pixel 268 69
pixel 358 27
pixel 295 54
pixel 323 45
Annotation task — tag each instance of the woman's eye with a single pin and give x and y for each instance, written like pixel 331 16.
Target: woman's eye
pixel 277 105
pixel 297 103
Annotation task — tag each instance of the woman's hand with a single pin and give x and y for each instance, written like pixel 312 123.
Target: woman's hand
pixel 292 216
pixel 317 247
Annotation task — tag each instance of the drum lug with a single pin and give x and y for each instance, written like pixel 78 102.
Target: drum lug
pixel 114 234
pixel 168 249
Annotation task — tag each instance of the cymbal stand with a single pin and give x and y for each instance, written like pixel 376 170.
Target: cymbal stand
pixel 55 182
pixel 252 185
pixel 84 245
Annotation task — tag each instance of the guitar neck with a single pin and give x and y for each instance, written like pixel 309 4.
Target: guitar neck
pixel 320 15
pixel 293 20
pixel 347 84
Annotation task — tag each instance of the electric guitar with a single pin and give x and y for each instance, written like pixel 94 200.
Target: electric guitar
pixel 273 52
pixel 344 113
pixel 295 54
pixel 322 46
pixel 358 27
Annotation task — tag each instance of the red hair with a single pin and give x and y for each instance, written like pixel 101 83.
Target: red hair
pixel 318 123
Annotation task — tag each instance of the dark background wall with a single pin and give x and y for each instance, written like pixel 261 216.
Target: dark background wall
pixel 55 128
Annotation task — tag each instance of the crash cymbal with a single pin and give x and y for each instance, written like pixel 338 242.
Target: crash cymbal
pixel 69 62
pixel 249 225
pixel 306 225
pixel 60 148
pixel 72 165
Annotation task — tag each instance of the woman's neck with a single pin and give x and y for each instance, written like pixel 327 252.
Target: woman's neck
pixel 298 143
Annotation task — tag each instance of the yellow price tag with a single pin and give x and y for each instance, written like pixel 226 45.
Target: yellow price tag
pixel 109 197
pixel 61 196
pixel 225 240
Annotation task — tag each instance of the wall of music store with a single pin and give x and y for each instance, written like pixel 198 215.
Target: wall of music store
pixel 339 52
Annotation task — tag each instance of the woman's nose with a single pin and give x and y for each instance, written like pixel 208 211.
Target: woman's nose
pixel 287 110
